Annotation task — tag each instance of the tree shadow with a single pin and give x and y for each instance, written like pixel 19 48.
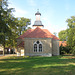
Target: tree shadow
pixel 37 65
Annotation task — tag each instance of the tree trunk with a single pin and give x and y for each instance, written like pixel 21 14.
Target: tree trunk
pixel 4 48
pixel 4 51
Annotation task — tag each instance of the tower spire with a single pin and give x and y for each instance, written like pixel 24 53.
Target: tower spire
pixel 38 23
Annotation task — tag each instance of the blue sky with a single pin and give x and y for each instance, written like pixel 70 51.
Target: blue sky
pixel 54 12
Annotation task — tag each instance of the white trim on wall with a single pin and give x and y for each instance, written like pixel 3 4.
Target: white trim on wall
pixel 40 54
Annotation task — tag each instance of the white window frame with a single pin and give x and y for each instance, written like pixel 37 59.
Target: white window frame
pixel 38 46
pixel 34 48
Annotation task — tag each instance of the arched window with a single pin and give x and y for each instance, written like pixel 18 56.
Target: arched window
pixel 35 47
pixel 40 47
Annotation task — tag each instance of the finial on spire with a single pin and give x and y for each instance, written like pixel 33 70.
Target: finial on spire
pixel 37 10
pixel 38 13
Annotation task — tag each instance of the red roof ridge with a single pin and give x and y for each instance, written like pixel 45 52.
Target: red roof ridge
pixel 53 36
pixel 38 33
pixel 25 34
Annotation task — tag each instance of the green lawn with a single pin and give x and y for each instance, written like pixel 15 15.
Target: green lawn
pixel 56 65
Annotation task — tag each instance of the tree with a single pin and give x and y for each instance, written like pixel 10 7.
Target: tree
pixel 18 27
pixel 62 35
pixel 22 24
pixel 71 33
pixel 10 27
pixel 5 18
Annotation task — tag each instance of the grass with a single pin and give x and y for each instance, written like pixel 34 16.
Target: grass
pixel 56 65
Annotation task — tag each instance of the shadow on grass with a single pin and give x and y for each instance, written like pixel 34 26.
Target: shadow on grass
pixel 37 66
pixel 53 70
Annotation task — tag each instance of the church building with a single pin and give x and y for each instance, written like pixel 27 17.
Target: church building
pixel 38 41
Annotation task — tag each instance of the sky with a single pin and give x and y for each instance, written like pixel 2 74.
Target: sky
pixel 54 13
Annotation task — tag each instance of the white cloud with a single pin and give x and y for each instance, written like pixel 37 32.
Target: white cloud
pixel 44 18
pixel 47 24
pixel 55 28
pixel 32 2
pixel 51 27
pixel 18 11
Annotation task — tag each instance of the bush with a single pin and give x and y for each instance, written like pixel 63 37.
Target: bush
pixel 73 51
pixel 65 50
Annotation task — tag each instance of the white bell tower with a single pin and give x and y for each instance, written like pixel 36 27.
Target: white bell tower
pixel 38 23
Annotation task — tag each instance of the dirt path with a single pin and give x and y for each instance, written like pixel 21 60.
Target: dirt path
pixel 7 55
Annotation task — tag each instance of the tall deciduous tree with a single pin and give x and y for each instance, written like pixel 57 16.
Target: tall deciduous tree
pixel 5 17
pixel 10 27
pixel 22 24
pixel 62 35
pixel 18 27
pixel 71 33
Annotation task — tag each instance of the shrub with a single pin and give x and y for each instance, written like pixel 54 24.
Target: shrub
pixel 65 50
pixel 73 51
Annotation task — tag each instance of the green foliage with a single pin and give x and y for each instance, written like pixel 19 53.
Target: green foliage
pixel 10 27
pixel 65 50
pixel 71 32
pixel 73 50
pixel 22 24
pixel 5 18
pixel 18 27
pixel 69 35
pixel 62 35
